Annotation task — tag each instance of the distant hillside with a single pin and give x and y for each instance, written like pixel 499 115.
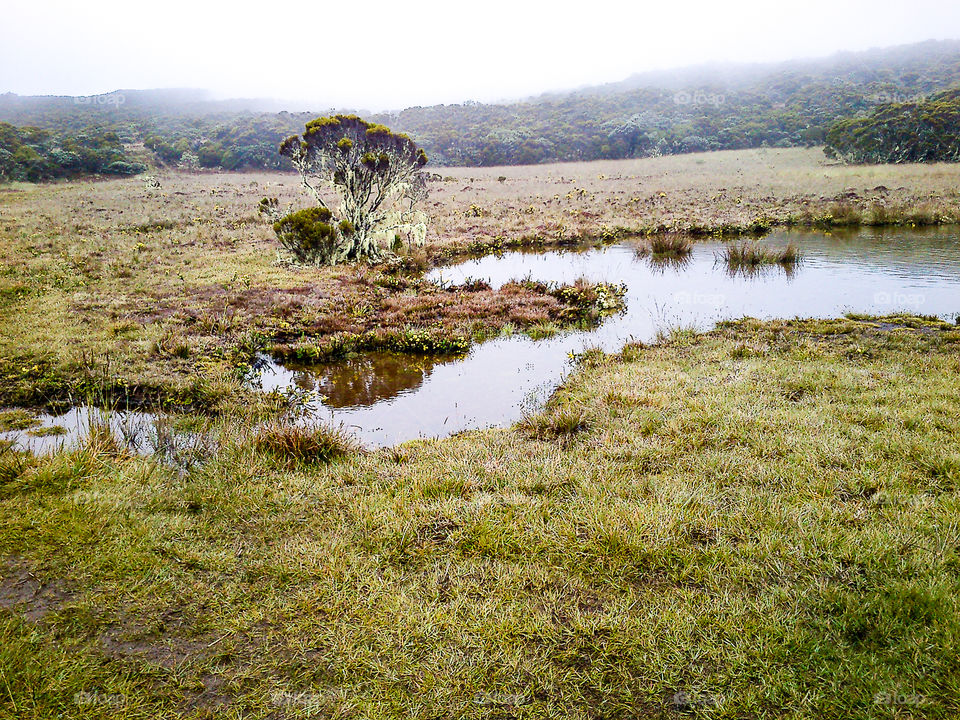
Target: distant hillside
pixel 34 154
pixel 926 130
pixel 686 110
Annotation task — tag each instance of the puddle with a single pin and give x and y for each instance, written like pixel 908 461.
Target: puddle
pixel 138 432
pixel 134 430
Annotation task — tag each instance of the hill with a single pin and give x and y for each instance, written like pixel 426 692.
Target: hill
pixel 924 130
pixel 650 114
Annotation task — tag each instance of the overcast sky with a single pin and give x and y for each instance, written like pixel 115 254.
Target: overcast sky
pixel 387 55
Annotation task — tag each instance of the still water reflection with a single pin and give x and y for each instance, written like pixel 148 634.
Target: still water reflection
pixel 387 398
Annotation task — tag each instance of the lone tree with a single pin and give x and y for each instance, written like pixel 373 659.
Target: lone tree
pixel 377 175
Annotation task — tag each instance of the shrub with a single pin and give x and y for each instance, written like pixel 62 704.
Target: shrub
pixel 308 235
pixel 375 172
pixel 124 168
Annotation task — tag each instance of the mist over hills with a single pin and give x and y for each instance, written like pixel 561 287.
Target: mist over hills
pixel 652 113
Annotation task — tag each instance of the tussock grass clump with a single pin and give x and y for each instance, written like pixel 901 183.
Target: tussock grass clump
pixel 918 215
pixel 412 262
pixel 98 438
pixel 665 245
pixel 843 214
pixel 561 424
pixel 923 215
pixel 299 445
pixel 739 255
pixel 13 464
pixel 676 335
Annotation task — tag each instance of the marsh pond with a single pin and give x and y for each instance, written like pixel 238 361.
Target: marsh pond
pixel 386 398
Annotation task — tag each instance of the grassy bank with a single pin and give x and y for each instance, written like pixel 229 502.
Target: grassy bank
pixel 761 521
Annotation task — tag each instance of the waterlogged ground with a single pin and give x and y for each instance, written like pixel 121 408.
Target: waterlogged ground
pixel 770 500
pixel 52 431
pixel 385 399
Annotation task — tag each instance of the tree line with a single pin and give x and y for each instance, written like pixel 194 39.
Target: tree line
pixel 924 130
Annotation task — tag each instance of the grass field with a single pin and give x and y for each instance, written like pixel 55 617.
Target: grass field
pixel 757 522
pixel 761 521
pixel 162 294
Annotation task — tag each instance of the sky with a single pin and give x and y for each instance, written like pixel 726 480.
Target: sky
pixel 389 55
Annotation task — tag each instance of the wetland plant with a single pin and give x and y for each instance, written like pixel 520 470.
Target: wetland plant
pixel 665 246
pixel 295 445
pixel 751 255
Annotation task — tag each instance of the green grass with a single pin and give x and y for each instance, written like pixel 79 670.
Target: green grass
pixel 297 445
pixel 17 419
pixel 757 522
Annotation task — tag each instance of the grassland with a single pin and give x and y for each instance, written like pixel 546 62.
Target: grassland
pixel 756 522
pixel 161 295
pixel 761 521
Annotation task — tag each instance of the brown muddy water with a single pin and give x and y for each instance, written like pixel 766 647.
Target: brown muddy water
pixel 385 398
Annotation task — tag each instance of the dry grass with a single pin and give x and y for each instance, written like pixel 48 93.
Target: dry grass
pixel 666 245
pixel 699 192
pixel 162 294
pixel 298 445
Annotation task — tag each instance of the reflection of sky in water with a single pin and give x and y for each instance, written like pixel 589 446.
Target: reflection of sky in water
pixel 861 272
pixel 134 429
pixel 386 398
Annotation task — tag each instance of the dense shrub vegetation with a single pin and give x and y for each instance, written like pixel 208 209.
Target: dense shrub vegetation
pixel 922 131
pixel 308 235
pixel 786 105
pixel 34 154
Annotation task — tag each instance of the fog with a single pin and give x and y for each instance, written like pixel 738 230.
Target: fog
pixel 379 55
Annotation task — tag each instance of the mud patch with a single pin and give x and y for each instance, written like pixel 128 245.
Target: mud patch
pixel 27 595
